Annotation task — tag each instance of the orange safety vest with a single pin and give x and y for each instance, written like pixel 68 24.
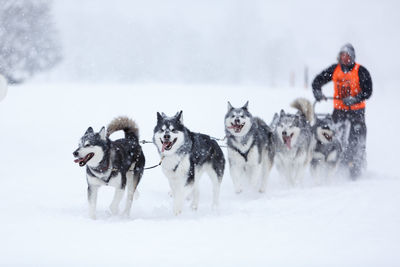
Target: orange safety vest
pixel 346 84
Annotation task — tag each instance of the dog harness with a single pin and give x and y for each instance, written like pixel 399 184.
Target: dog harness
pixel 245 154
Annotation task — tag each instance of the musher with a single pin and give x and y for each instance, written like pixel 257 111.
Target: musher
pixel 352 86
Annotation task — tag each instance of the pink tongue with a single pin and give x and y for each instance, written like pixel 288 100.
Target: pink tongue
pixel 164 145
pixel 287 142
pixel 78 160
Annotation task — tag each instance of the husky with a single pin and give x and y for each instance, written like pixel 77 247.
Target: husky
pixel 294 141
pixel 250 148
pixel 327 149
pixel 185 156
pixel 118 163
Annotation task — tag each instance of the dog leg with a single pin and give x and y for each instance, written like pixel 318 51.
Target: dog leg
pixel 114 207
pixel 132 183
pixel 216 184
pixel 178 192
pixel 236 175
pixel 92 199
pixel 196 195
pixel 266 169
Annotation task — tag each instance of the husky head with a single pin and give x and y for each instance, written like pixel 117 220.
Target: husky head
pixel 288 128
pixel 238 121
pixel 92 147
pixel 169 133
pixel 325 129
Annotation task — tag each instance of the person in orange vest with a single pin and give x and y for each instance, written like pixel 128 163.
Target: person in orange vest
pixel 352 86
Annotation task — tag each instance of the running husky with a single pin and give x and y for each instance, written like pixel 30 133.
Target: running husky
pixel 250 148
pixel 294 140
pixel 327 150
pixel 117 163
pixel 185 156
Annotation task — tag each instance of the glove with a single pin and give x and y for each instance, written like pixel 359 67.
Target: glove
pixel 348 101
pixel 319 95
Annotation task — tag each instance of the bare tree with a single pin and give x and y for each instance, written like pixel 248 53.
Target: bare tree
pixel 28 39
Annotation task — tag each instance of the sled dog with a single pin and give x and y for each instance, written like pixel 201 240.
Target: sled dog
pixel 327 149
pixel 250 148
pixel 185 156
pixel 294 141
pixel 118 163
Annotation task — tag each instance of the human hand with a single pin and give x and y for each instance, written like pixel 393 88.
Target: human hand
pixel 319 96
pixel 348 101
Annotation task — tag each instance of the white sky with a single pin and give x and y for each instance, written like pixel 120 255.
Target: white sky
pixel 223 41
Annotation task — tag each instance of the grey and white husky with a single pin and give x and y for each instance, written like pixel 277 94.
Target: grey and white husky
pixel 327 150
pixel 118 163
pixel 250 148
pixel 185 156
pixel 294 141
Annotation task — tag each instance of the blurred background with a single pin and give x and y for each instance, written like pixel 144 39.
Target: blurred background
pixel 266 43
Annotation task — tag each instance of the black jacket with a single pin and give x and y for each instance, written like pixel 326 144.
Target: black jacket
pixel 326 76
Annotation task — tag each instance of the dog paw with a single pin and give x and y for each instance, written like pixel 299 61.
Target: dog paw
pixel 114 210
pixel 194 207
pixel 238 191
pixel 261 190
pixel 126 214
pixel 215 208
pixel 177 212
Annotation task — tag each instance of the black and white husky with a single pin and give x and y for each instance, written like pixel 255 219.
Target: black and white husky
pixel 118 163
pixel 250 148
pixel 185 156
pixel 327 149
pixel 294 141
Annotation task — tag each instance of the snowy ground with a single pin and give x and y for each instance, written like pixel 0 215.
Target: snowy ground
pixel 43 212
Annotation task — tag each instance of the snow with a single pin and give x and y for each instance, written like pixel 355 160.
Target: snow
pixel 44 218
pixel 3 87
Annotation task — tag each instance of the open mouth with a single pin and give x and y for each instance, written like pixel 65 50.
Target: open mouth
pixel 167 144
pixel 237 127
pixel 82 161
pixel 287 140
pixel 327 136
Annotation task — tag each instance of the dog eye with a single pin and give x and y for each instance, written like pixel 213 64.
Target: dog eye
pixel 87 145
pixel 241 116
pixel 174 131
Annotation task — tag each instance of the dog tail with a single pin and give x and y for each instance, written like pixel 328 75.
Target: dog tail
pixel 123 123
pixel 305 107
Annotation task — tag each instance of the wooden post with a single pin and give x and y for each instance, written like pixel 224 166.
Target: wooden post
pixel 306 77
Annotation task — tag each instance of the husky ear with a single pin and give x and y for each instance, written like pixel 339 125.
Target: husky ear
pixel 282 112
pixel 102 133
pixel 179 116
pixel 275 121
pixel 89 130
pixel 229 106
pixel 159 117
pixel 246 106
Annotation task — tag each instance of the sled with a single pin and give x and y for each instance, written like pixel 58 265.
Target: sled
pixel 353 158
pixel 320 115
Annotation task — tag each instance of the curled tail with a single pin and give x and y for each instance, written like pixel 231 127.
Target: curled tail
pixel 123 123
pixel 305 107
